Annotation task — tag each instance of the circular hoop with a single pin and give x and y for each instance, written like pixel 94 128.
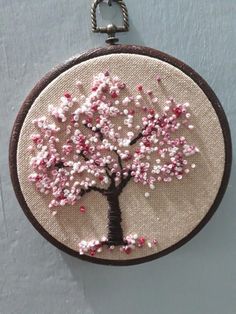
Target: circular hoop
pixel 48 78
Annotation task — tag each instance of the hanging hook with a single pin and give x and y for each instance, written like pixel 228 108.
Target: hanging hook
pixel 110 29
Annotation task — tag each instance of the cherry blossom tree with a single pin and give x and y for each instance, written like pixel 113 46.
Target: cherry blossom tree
pixel 101 142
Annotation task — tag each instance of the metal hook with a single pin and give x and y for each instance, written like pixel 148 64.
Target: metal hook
pixel 111 29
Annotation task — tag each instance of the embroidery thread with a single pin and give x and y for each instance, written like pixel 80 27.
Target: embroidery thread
pixel 110 139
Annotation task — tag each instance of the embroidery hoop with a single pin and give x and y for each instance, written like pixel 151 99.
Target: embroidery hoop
pixel 116 49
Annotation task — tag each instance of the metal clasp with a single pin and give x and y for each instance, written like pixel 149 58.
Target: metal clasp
pixel 111 29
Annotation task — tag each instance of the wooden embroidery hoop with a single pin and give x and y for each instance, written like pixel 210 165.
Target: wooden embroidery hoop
pixel 116 49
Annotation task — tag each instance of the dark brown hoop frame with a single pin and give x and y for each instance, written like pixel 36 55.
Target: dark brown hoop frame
pixel 40 86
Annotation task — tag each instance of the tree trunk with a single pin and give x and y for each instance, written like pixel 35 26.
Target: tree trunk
pixel 115 232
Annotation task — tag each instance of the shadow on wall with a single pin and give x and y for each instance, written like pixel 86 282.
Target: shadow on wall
pixel 109 289
pixel 132 37
pixel 129 289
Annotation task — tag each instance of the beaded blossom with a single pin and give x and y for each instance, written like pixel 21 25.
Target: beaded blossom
pixel 109 138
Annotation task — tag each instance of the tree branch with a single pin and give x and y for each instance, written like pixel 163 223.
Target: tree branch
pixel 119 159
pixel 124 182
pixel 98 131
pixel 91 188
pixel 100 190
pixel 107 169
pixel 120 163
pixel 107 172
pixel 59 165
pixel 140 135
pixel 85 157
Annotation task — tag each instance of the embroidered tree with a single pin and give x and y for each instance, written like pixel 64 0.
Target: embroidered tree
pixel 101 142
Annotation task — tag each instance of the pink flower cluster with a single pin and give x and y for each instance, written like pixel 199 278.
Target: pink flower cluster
pixel 60 111
pixel 108 136
pixel 131 242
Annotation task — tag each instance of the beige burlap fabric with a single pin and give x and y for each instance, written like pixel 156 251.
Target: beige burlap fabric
pixel 174 209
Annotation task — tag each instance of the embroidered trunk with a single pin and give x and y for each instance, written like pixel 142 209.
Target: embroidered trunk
pixel 115 232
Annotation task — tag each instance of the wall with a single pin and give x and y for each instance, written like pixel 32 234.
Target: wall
pixel 35 277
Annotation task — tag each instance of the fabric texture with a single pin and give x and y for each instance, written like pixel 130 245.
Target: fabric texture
pixel 173 210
